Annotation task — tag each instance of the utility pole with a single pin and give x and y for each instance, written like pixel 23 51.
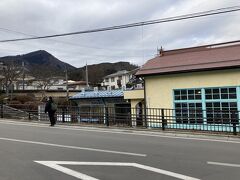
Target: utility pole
pixel 23 80
pixel 87 76
pixel 66 74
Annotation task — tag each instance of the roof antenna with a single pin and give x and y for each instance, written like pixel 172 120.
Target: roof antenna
pixel 160 51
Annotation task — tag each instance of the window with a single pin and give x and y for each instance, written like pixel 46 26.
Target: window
pixel 188 106
pixel 191 94
pixel 120 77
pixel 106 80
pixel 188 113
pixel 220 103
pixel 221 112
pixel 220 93
pixel 112 79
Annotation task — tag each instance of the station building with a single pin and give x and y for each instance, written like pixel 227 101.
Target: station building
pixel 206 78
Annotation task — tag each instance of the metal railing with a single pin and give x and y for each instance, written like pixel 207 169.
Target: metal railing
pixel 226 121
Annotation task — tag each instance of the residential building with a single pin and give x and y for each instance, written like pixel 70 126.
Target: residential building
pixel 118 80
pixel 204 78
pixel 78 85
pixel 31 83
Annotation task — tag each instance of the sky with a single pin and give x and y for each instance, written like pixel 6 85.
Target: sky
pixel 26 18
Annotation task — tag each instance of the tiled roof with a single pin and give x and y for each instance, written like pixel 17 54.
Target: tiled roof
pixel 193 59
pixel 119 73
pixel 98 94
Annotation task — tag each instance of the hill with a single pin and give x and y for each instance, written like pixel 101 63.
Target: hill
pixel 43 64
pixel 39 62
pixel 96 72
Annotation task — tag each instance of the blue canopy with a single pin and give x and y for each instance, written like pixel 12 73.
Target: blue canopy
pixel 98 94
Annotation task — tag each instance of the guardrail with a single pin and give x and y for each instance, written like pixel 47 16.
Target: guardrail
pixel 226 121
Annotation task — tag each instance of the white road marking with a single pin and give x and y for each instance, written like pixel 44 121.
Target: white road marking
pixel 125 132
pixel 73 147
pixel 223 164
pixel 56 165
pixel 65 170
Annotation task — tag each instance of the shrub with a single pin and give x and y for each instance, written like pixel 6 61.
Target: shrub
pixel 15 104
pixel 32 106
pixel 23 98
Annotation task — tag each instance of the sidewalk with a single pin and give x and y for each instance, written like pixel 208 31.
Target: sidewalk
pixel 127 130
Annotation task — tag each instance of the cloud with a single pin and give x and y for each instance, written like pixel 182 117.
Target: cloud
pixel 136 45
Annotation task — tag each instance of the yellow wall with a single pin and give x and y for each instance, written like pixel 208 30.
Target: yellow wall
pixel 134 94
pixel 159 89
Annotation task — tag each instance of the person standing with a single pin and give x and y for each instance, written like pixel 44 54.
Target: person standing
pixel 50 107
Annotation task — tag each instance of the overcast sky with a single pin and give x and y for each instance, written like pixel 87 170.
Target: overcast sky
pixel 135 45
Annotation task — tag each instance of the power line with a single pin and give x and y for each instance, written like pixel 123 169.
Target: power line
pixel 84 55
pixel 65 42
pixel 143 23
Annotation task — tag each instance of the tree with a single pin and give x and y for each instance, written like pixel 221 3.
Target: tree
pixel 44 81
pixel 10 73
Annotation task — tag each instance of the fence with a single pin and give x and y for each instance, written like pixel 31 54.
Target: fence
pixel 226 121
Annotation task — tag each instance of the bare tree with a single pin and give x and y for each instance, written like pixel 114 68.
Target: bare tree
pixel 44 84
pixel 10 73
pixel 42 80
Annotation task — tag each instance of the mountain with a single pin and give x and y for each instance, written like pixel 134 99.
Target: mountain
pixel 96 72
pixel 43 64
pixel 39 62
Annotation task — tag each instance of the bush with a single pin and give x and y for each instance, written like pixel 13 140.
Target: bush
pixel 23 98
pixel 32 106
pixel 62 101
pixel 15 104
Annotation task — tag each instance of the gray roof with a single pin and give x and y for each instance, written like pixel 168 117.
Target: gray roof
pixel 119 73
pixel 98 94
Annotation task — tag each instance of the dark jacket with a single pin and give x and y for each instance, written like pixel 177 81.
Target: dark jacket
pixel 48 107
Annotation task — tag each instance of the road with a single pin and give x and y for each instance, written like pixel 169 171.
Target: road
pixel 36 151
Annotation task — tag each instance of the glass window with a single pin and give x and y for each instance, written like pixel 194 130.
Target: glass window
pixel 106 80
pixel 177 92
pixel 221 112
pixel 187 94
pixel 198 94
pixel 224 90
pixel 221 105
pixel 189 113
pixel 232 93
pixel 191 94
pixel 112 79
pixel 208 94
pixel 220 93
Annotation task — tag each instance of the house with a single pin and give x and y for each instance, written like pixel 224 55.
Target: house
pixel 31 83
pixel 118 80
pixel 200 84
pixel 97 106
pixel 78 85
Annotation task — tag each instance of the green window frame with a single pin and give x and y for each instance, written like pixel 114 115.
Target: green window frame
pixel 188 106
pixel 215 105
pixel 221 105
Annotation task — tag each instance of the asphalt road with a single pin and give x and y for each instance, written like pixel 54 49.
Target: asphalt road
pixel 36 151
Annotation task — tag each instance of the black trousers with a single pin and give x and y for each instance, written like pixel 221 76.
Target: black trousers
pixel 52 118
